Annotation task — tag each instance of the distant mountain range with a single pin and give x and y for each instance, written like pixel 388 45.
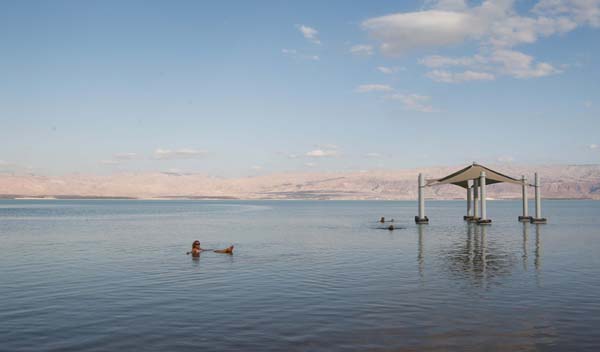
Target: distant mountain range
pixel 558 181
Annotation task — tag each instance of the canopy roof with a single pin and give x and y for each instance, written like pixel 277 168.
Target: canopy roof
pixel 472 172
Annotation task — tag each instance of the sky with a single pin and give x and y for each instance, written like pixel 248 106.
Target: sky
pixel 243 88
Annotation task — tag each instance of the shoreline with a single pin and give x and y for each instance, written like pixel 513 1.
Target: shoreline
pixel 207 198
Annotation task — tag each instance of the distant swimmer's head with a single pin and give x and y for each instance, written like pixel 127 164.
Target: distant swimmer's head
pixel 391 228
pixel 196 244
pixel 382 219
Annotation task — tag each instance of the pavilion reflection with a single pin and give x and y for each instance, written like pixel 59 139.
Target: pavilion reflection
pixel 420 257
pixel 478 258
pixel 525 251
pixel 538 248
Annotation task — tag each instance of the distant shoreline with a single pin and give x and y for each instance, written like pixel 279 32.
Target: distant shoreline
pixel 73 197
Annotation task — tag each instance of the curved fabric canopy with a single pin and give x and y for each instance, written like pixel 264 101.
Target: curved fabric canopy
pixel 472 172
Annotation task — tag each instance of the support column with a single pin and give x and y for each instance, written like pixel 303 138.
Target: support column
pixel 469 196
pixel 525 216
pixel 538 203
pixel 475 217
pixel 421 218
pixel 484 220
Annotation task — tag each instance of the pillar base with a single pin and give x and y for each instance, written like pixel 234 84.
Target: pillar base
pixel 525 218
pixel 467 217
pixel 419 220
pixel 473 219
pixel 484 221
pixel 539 221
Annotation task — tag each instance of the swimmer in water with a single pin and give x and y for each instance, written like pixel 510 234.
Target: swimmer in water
pixel 196 249
pixel 382 220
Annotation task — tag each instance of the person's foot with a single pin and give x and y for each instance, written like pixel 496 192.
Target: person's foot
pixel 228 250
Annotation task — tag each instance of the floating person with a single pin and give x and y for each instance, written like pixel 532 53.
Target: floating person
pixel 196 249
pixel 390 227
pixel 382 220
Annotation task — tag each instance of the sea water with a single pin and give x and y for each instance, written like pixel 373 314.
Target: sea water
pixel 110 275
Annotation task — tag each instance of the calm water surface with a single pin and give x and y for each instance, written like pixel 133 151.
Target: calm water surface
pixel 306 276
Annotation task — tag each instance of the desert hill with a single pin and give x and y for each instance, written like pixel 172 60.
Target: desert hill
pixel 558 181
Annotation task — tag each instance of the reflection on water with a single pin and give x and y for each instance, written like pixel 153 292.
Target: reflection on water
pixel 420 256
pixel 112 275
pixel 538 247
pixel 471 257
pixel 525 240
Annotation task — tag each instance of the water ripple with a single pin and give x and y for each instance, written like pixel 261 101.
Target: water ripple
pixel 113 275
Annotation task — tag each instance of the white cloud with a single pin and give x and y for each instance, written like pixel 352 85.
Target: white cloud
pixel 494 25
pixel 402 32
pixel 520 65
pixel 580 11
pixel 110 162
pixel 297 55
pixel 493 22
pixel 593 146
pixel 125 156
pixel 309 164
pixel 362 49
pixel 372 155
pixel 515 30
pixel 386 70
pixel 485 67
pixel 256 167
pixel 364 88
pixel 321 153
pixel 435 61
pixel 506 159
pixel 309 33
pixel 186 153
pixel 413 102
pixel 450 77
pixel 174 172
pixel 450 5
pixel 390 70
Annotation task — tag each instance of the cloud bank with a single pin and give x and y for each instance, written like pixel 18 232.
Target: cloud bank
pixel 494 26
pixel 186 153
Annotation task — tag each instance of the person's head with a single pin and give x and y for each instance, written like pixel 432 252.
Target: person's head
pixel 196 244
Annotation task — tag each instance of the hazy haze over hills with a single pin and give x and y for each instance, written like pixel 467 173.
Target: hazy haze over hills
pixel 558 181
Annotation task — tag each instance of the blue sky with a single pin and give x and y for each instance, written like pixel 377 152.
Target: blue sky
pixel 235 88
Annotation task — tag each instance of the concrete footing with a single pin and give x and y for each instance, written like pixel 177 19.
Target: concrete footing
pixel 539 220
pixel 474 219
pixel 525 218
pixel 484 221
pixel 424 220
pixel 467 217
